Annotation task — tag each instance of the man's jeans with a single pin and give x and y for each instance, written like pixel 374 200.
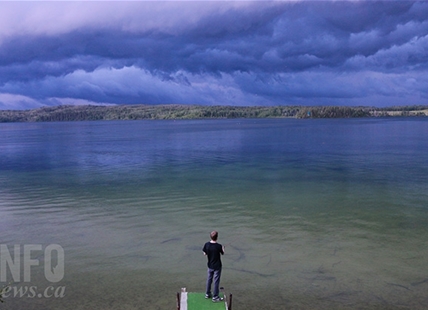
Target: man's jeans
pixel 211 273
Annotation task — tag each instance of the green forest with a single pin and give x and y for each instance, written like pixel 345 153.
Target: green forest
pixel 156 112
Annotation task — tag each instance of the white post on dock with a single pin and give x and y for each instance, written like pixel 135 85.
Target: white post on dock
pixel 183 299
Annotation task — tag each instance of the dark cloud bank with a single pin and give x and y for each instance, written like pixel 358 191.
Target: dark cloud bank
pixel 234 53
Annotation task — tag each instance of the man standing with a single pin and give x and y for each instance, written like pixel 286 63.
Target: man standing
pixel 213 251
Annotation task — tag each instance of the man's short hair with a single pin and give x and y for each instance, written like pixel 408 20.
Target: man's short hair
pixel 214 235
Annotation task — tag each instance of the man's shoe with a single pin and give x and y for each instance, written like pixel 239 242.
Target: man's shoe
pixel 217 299
pixel 207 296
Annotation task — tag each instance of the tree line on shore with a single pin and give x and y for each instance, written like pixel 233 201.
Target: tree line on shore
pixel 141 111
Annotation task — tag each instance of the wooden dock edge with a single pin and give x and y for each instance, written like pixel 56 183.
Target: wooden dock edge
pixel 229 303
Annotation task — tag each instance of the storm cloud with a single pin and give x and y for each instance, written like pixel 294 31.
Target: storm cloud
pixel 228 53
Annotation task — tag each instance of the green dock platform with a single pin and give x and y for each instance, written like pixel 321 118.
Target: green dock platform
pixel 197 301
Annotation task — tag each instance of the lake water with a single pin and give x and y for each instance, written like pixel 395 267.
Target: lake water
pixel 315 214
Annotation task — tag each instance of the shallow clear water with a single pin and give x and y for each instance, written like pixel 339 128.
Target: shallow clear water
pixel 325 214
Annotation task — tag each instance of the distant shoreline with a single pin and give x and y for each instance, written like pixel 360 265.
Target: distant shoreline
pixel 175 111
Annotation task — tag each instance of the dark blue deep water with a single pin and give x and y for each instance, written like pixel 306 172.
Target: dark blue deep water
pixel 315 214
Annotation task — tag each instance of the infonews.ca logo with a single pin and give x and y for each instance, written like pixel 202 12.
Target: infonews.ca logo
pixel 17 263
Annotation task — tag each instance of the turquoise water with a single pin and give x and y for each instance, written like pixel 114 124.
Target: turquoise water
pixel 315 214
